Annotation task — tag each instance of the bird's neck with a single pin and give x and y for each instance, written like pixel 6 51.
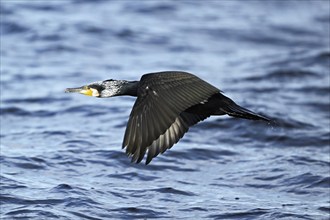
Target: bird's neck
pixel 129 88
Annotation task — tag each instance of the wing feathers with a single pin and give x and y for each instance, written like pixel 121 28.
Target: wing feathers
pixel 157 120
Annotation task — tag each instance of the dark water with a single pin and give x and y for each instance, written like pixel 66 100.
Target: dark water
pixel 61 154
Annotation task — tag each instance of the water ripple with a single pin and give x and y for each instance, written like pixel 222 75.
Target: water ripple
pixel 10 27
pixel 132 176
pixel 22 112
pixel 170 190
pixel 24 201
pixel 251 214
pixel 22 162
pixel 60 154
pixel 283 75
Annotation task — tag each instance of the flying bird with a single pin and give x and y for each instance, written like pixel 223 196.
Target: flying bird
pixel 167 104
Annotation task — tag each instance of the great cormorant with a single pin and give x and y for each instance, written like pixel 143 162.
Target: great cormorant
pixel 167 104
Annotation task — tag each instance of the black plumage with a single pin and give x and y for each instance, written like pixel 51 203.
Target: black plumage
pixel 167 104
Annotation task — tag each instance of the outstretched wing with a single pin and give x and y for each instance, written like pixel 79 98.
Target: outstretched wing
pixel 173 134
pixel 158 120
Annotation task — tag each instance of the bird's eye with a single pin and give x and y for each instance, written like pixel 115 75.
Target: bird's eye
pixel 96 87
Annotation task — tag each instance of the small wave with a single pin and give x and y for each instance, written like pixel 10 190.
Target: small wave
pixel 79 2
pixel 294 31
pixel 170 190
pixel 317 90
pixel 55 132
pixel 14 111
pixel 8 183
pixel 164 164
pixel 287 215
pixel 40 100
pixel 32 214
pixel 92 29
pixel 302 180
pixel 261 186
pixel 292 74
pixel 259 90
pixel 11 27
pixel 8 199
pixel 269 178
pixel 287 122
pixel 109 155
pixel 136 212
pixel 285 74
pixel 317 105
pixel 193 209
pixel 126 33
pixel 49 7
pixel 82 201
pixel 77 143
pixel 153 8
pixel 22 112
pixel 62 187
pixel 51 37
pixel 93 109
pixel 26 77
pixel 323 55
pixel 84 215
pixel 296 139
pixel 6 10
pixel 321 58
pixel 61 47
pixel 78 108
pixel 324 183
pixel 26 162
pixel 302 160
pixel 221 123
pixel 250 214
pixel 184 48
pixel 325 209
pixel 69 160
pixel 133 176
pixel 202 154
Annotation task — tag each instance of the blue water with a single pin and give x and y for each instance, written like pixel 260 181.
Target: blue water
pixel 61 155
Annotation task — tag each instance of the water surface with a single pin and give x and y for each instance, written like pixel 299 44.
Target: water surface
pixel 61 155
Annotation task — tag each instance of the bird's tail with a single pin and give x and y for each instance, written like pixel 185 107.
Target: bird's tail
pixel 229 107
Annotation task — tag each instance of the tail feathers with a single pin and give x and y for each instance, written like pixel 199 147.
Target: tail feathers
pixel 231 108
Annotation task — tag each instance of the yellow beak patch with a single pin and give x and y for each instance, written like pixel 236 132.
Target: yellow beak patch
pixel 90 92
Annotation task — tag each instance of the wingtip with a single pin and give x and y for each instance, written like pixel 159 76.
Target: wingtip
pixel 264 118
pixel 148 160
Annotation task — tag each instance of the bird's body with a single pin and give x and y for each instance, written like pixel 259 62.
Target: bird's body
pixel 167 104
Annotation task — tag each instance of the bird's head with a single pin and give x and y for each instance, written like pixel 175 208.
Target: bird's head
pixel 103 89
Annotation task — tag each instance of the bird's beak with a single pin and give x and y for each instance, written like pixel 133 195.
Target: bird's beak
pixel 85 90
